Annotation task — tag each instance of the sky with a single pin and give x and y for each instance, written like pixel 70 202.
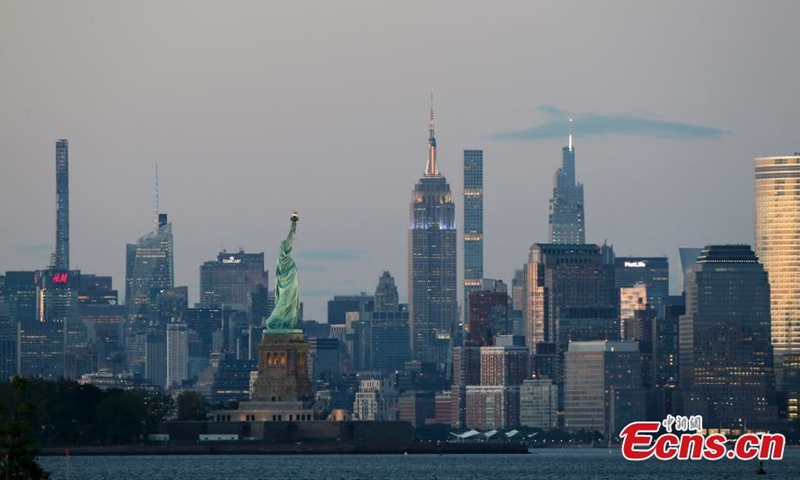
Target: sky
pixel 252 109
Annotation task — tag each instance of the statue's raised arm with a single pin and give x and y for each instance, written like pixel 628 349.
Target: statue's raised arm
pixel 287 287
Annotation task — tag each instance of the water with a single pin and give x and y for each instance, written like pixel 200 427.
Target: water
pixel 595 464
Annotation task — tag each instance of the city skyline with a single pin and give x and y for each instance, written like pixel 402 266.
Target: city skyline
pixel 667 142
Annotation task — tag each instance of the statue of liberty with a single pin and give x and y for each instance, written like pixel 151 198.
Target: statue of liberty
pixel 287 287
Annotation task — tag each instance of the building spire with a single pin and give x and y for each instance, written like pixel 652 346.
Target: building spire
pixel 155 203
pixel 570 134
pixel 431 170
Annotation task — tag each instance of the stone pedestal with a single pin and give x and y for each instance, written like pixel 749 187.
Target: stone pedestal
pixel 282 368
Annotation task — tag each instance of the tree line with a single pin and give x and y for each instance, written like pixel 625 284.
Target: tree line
pixel 67 413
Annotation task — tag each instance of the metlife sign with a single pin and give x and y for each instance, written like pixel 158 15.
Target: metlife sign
pixel 639 264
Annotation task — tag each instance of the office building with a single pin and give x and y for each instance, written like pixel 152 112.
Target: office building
pixel 567 219
pixel 19 294
pixel 177 355
pixel 538 403
pixel 105 325
pixel 652 272
pixel 172 304
pixel 688 258
pixel 726 371
pixel 466 371
pixel 149 269
pixel 473 223
pixel 155 364
pixel 777 196
pixel 386 297
pixel 341 305
pixel 323 361
pixel 226 379
pixel 416 407
pixel 488 313
pixel 432 264
pixel 492 407
pixel 8 343
pixel 570 295
pixel 507 366
pixel 232 278
pixel 376 400
pixel 44 340
pixel 389 340
pixel 665 342
pixel 97 290
pixel 594 370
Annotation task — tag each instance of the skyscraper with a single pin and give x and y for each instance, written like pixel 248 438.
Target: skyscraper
pixel 570 295
pixel 725 355
pixel 340 305
pixel 177 354
pixel 44 341
pixel 488 313
pixel 432 263
pixel 777 230
pixel 386 298
pixel 566 207
pixel 232 278
pixel 653 272
pixel 62 205
pixel 596 373
pixel 688 258
pixel 473 223
pixel 149 270
pixel 19 293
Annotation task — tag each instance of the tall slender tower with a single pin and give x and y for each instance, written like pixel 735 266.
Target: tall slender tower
pixel 777 229
pixel 62 205
pixel 566 207
pixel 433 307
pixel 473 224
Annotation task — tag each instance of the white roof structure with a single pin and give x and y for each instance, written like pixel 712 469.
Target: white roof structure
pixel 465 435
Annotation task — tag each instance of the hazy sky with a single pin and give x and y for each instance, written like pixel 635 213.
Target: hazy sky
pixel 252 109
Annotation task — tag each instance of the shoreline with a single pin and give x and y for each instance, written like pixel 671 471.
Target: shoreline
pixel 232 448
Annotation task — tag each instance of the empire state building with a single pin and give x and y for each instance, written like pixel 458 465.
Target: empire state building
pixel 433 307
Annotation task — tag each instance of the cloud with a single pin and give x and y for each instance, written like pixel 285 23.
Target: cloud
pixel 39 248
pixel 605 124
pixel 334 255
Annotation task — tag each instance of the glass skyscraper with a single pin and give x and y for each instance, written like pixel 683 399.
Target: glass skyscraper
pixel 473 223
pixel 149 269
pixel 566 207
pixel 777 195
pixel 62 205
pixel 725 357
pixel 432 297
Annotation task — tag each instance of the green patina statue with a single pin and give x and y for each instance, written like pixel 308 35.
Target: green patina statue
pixel 287 287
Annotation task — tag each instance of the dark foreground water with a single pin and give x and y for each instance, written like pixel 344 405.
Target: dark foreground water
pixel 542 464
